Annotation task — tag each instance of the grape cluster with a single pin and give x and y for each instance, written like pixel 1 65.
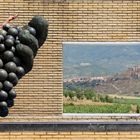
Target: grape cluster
pixel 18 47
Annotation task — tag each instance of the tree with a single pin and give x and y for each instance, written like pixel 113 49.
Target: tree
pixel 71 95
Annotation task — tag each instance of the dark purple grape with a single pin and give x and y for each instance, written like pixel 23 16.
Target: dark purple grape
pixel 12 94
pixel 3 32
pixel 3 75
pixel 9 43
pixel 3 104
pixel 20 72
pixel 10 103
pixel 3 95
pixel 4 112
pixel 10 37
pixel 7 86
pixel 12 77
pixel 13 31
pixel 8 56
pixel 32 31
pixel 2 47
pixel 10 67
pixel 6 26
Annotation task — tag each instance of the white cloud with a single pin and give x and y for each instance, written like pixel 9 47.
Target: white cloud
pixel 85 64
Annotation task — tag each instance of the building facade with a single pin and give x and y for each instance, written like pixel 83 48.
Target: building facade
pixel 40 93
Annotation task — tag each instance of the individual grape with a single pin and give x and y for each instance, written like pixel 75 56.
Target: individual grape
pixel 10 37
pixel 10 103
pixel 9 43
pixel 13 31
pixel 12 77
pixel 6 27
pixel 8 56
pixel 32 30
pixel 4 112
pixel 7 86
pixel 20 72
pixel 12 94
pixel 3 95
pixel 10 67
pixel 2 47
pixel 3 75
pixel 3 104
pixel 3 32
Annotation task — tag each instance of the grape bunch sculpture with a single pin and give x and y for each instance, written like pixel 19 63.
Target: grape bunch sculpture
pixel 18 48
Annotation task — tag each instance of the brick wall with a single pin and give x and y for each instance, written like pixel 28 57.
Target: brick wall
pixel 39 93
pixel 43 135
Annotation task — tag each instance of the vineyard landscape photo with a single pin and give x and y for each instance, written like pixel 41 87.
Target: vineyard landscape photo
pixel 101 78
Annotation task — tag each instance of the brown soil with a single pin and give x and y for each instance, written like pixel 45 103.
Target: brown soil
pixel 83 102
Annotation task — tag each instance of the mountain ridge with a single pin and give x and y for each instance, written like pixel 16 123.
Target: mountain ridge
pixel 101 59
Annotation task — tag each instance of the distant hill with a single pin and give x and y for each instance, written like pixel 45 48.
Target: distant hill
pixel 91 60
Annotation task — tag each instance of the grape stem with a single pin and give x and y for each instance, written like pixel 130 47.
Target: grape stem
pixel 9 19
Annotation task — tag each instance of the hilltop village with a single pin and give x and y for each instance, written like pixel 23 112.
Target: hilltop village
pixel 125 82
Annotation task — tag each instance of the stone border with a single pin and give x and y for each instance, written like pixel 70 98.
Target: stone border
pixel 70 126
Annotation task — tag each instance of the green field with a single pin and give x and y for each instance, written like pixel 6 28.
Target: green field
pixel 128 101
pixel 115 108
pixel 117 105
